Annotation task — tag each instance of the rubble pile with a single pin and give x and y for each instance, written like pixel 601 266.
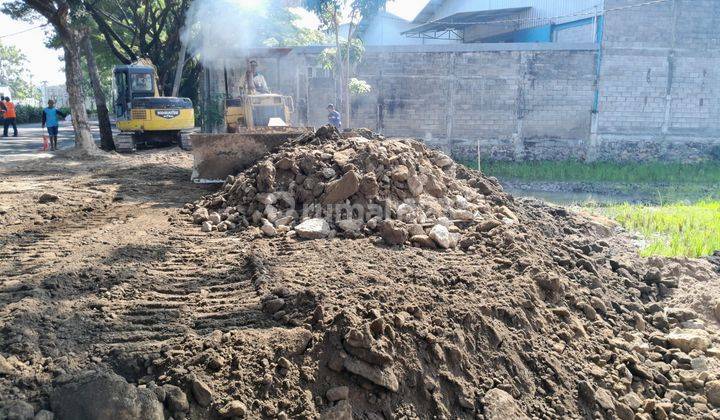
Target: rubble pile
pixel 485 307
pixel 325 186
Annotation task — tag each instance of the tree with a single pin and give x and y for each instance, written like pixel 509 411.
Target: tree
pixel 332 14
pixel 135 29
pixel 14 73
pixel 106 137
pixel 58 14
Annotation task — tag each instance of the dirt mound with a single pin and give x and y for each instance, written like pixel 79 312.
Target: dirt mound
pixel 520 308
pixel 324 185
pixel 537 312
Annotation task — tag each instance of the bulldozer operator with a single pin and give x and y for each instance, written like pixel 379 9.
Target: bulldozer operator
pixel 254 81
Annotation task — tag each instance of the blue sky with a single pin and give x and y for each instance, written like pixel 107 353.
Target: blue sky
pixel 45 64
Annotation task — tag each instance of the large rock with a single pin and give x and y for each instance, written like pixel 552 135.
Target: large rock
pixel 18 410
pixel 434 187
pixel 400 174
pixel 499 405
pixel 350 225
pixel 341 189
pixel 384 377
pixel 337 393
pixel 47 198
pixel 233 409
pixel 441 236
pixel 369 186
pixel 313 229
pixel 268 229
pixel 104 396
pixel 712 392
pixel 176 399
pixel 415 185
pixel 265 181
pixel 202 392
pixel 200 215
pixel 393 232
pixel 422 241
pixel 688 340
pixel 340 411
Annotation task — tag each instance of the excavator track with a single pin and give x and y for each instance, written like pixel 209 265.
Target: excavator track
pixel 124 143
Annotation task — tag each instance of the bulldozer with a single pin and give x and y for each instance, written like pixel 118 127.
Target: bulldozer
pixel 255 122
pixel 143 116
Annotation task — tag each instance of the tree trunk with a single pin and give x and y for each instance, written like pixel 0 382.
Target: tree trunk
pixel 106 137
pixel 339 92
pixel 73 82
pixel 346 79
pixel 179 70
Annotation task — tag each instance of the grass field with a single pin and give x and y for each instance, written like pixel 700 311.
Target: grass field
pixel 575 171
pixel 690 230
pixel 681 211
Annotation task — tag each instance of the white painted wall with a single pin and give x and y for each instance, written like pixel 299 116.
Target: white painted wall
pixel 540 8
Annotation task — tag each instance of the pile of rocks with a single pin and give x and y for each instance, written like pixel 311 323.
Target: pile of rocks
pixel 324 186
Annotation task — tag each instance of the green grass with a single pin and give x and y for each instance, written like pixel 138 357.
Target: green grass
pixel 680 214
pixel 690 230
pixel 575 171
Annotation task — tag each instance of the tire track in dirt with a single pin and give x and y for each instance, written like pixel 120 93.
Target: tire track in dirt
pixel 192 290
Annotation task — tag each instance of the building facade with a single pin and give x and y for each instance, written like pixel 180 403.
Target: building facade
pixel 491 21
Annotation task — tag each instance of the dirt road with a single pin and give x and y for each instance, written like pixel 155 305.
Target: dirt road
pixel 101 270
pixel 104 267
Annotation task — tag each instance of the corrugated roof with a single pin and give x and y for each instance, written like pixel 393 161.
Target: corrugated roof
pixel 459 21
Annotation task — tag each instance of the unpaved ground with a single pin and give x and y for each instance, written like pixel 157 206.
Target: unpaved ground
pixel 111 276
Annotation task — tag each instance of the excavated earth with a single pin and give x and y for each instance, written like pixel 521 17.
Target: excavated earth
pixel 115 304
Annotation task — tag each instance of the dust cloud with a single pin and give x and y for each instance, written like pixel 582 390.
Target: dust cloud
pixel 218 29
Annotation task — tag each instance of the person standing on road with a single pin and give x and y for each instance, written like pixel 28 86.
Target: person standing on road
pixel 9 115
pixel 51 119
pixel 334 117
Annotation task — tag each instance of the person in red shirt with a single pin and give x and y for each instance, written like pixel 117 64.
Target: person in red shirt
pixel 9 114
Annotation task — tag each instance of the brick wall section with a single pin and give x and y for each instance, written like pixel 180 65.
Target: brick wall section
pixel 509 100
pixel 660 80
pixel 658 90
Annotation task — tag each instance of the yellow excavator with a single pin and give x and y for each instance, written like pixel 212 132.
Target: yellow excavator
pixel 256 121
pixel 142 115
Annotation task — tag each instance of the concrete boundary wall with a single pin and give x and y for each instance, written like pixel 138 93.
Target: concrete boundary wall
pixel 519 101
pixel 652 91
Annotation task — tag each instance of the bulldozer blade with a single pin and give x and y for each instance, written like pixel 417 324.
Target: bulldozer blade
pixel 215 156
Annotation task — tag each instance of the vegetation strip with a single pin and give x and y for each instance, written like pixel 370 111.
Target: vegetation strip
pixel 691 230
pixel 576 171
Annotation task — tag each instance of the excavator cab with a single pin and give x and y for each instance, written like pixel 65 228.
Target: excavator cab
pixel 132 82
pixel 143 116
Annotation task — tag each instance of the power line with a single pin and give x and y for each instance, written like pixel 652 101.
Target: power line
pixel 24 30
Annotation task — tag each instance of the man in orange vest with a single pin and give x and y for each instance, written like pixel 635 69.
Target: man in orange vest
pixel 10 115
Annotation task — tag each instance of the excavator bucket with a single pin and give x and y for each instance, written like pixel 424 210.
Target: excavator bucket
pixel 216 156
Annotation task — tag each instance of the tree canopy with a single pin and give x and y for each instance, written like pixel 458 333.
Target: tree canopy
pixel 133 29
pixel 14 73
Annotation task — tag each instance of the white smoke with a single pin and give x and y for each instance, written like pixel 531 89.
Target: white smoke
pixel 216 30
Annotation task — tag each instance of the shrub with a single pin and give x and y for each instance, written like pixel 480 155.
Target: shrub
pixel 715 152
pixel 28 114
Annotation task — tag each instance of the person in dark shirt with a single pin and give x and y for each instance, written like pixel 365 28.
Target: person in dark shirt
pixel 334 117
